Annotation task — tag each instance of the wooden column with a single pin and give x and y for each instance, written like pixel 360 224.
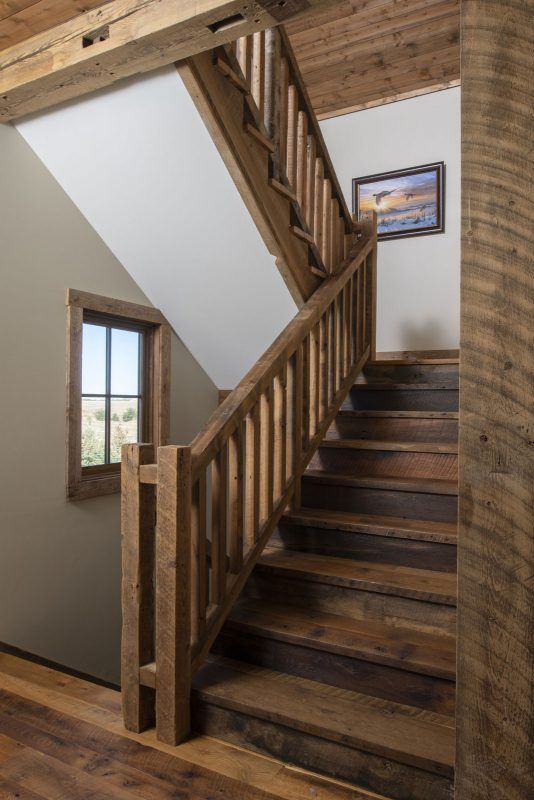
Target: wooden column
pixel 138 545
pixel 173 594
pixel 495 703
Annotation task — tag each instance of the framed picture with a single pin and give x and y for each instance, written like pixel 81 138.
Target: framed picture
pixel 408 202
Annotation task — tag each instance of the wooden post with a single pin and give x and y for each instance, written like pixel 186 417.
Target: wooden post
pixel 370 228
pixel 138 545
pixel 495 701
pixel 173 594
pixel 272 93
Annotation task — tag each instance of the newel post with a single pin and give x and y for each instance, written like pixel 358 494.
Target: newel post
pixel 369 227
pixel 138 543
pixel 173 594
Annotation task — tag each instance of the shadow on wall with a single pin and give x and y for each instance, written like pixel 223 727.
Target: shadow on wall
pixel 430 335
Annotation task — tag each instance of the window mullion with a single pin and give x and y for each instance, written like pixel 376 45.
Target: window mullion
pixel 107 445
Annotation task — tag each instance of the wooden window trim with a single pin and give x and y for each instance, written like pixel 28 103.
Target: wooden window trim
pixel 157 369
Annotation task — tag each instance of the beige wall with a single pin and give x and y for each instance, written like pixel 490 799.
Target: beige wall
pixel 59 561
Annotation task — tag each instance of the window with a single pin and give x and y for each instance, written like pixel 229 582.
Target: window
pixel 117 387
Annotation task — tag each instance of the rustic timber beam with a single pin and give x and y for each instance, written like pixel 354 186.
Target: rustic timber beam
pixel 125 38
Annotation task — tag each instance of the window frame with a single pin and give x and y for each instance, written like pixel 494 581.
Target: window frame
pixel 85 482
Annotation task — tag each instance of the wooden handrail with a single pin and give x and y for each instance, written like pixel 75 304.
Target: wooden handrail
pixel 195 521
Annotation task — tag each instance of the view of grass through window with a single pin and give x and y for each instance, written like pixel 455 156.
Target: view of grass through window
pixel 111 393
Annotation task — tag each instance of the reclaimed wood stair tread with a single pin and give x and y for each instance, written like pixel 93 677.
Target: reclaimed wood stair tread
pixel 424 485
pixel 380 386
pixel 378 414
pixel 401 733
pixel 399 527
pixel 393 446
pixel 419 584
pixel 370 640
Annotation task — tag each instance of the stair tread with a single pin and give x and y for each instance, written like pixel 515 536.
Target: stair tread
pixel 402 733
pixel 426 485
pixel 408 648
pixel 439 386
pixel 390 445
pixel 420 584
pixel 378 414
pixel 427 530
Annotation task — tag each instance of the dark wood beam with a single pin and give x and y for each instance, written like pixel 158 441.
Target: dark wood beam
pixel 125 38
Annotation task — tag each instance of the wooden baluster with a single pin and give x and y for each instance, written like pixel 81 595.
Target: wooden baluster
pixel 249 483
pixel 290 416
pixel 298 376
pixel 265 432
pixel 173 594
pixel 310 184
pixel 312 360
pixel 318 206
pixel 199 576
pixel 256 421
pixel 334 216
pixel 244 56
pixel 341 342
pixel 272 93
pixel 306 393
pixel 292 112
pixel 352 352
pixel 283 118
pixel 361 291
pixel 330 354
pixel 219 480
pixel 270 440
pixel 337 320
pixel 302 161
pixel 370 292
pixel 279 428
pixel 356 312
pixel 138 514
pixel 323 378
pixel 258 70
pixel 346 332
pixel 235 499
pixel 327 225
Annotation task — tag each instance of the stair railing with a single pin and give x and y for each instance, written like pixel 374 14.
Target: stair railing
pixel 196 519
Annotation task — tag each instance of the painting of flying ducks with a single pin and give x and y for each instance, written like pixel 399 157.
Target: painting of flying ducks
pixel 408 202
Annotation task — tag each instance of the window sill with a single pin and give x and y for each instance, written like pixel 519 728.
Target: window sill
pixel 94 486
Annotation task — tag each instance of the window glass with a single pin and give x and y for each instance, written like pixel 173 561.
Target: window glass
pixel 125 346
pixel 124 427
pixel 93 359
pixel 93 431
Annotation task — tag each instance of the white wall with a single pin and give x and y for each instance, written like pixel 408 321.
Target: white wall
pixel 418 278
pixel 60 565
pixel 140 165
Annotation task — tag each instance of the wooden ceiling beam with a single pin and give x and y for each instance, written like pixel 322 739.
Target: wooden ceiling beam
pixel 125 38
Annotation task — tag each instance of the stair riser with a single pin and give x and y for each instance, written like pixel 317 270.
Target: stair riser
pixel 357 675
pixel 405 373
pixel 385 464
pixel 402 400
pixel 366 547
pixel 385 776
pixel 397 430
pixel 411 505
pixel 353 603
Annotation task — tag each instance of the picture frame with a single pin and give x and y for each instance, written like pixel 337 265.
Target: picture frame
pixel 409 202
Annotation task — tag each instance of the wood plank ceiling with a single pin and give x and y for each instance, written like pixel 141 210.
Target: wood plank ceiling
pixel 21 19
pixel 364 53
pixel 355 54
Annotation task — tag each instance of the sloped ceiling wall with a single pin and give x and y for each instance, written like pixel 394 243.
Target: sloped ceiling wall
pixel 141 167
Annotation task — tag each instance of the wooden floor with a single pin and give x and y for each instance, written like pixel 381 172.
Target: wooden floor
pixel 61 738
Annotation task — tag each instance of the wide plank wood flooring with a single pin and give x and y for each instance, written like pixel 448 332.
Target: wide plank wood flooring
pixel 61 738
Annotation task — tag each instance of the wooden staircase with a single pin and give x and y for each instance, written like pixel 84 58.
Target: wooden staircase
pixel 340 654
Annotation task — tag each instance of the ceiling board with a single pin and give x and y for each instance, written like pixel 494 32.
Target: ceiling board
pixel 21 19
pixel 367 52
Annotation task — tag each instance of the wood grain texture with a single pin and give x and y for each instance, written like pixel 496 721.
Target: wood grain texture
pixel 137 36
pixel 363 53
pixel 496 604
pixel 73 716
